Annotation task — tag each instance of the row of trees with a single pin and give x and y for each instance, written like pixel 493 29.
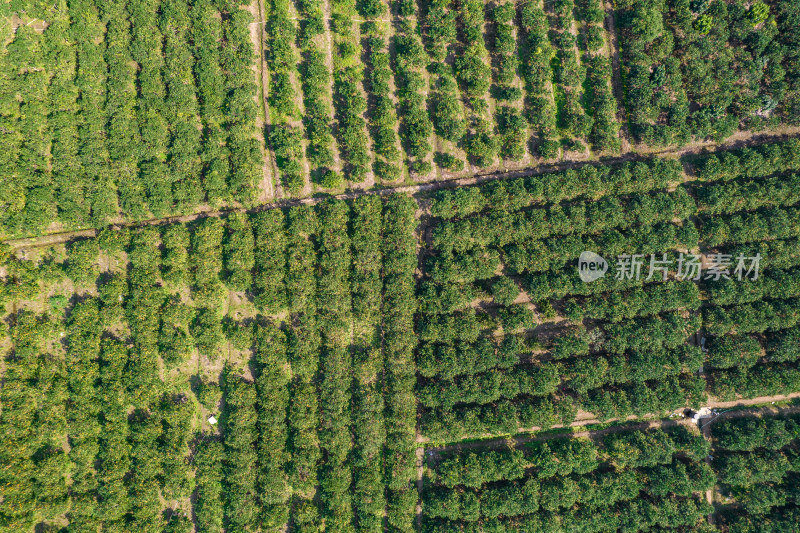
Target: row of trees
pixel 272 383
pixel 753 317
pixel 749 162
pixel 409 62
pixel 133 111
pixel 350 103
pixel 745 351
pixel 303 396
pixel 600 104
pixel 474 75
pixel 757 469
pixel 728 197
pixel 304 357
pixel 181 105
pixel 787 16
pixel 152 125
pixel 240 462
pixel 207 33
pixel 679 87
pixel 654 512
pixel 782 284
pixel 382 113
pixel 334 312
pixel 774 254
pixel 511 123
pixel 536 71
pixel 494 230
pixel 506 416
pixel 369 427
pixel 284 135
pixel 447 108
pixel 399 249
pixel 586 182
pixel 560 477
pixel 551 265
pixel 317 85
pixel 540 380
pixel 74 195
pixel 446 361
pixel 742 228
pixel 568 76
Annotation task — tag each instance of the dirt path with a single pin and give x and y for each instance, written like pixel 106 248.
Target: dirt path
pixel 738 413
pixel 616 76
pixel 749 139
pixel 328 51
pixel 420 455
pixel 663 422
pixel 706 430
pixel 270 189
pixel 387 34
pixel 523 439
pixel 299 102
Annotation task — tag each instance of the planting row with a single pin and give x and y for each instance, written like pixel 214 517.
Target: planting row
pixel 634 480
pixel 293 329
pixel 129 110
pixel 512 335
pixel 679 87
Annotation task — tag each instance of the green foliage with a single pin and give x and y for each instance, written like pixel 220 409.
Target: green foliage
pixel 703 24
pixel 104 125
pixel 505 291
pixel 147 467
pixel 563 480
pixel 409 60
pixel 58 303
pixel 206 260
pixel 351 329
pixel 270 261
pixel 748 434
pixel 210 395
pixel 240 461
pixel 175 238
pixel 448 162
pixel 332 179
pixel 272 388
pixel 383 115
pixel 399 252
pixel 237 247
pixel 82 263
pixel 208 459
pixel 142 312
pixel 206 328
pixel 175 342
pixel 177 481
pixel 758 13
